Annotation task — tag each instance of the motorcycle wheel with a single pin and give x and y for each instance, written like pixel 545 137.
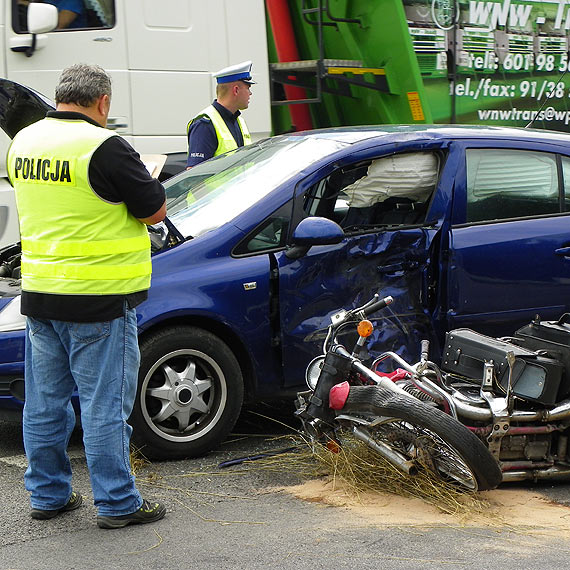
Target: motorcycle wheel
pixel 427 436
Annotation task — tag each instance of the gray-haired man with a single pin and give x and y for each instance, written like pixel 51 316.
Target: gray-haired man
pixel 83 198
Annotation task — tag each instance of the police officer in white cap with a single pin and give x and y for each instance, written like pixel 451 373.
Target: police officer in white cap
pixel 220 127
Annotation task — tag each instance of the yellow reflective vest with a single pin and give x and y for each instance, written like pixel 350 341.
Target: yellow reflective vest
pixel 73 242
pixel 226 140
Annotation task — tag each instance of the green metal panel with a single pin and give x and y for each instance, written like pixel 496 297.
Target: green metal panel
pixel 380 40
pixel 511 60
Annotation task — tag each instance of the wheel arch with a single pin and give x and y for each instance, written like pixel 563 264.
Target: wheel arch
pixel 225 333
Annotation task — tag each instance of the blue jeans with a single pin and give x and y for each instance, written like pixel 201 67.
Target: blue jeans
pixel 102 360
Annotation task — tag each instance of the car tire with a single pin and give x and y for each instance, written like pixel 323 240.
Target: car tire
pixel 189 395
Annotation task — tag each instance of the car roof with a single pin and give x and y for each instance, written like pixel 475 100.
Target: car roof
pixel 401 133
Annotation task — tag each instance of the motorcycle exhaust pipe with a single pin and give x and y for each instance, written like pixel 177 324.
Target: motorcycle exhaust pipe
pixel 391 455
pixel 536 474
pixel 560 412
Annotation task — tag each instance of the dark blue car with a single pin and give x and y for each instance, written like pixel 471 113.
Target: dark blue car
pixel 464 226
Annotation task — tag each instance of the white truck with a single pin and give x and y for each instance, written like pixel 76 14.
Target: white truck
pixel 341 62
pixel 160 54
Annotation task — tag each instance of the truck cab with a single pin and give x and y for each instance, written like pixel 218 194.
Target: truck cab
pixel 160 55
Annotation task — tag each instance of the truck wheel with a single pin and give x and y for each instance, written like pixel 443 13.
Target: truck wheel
pixel 189 394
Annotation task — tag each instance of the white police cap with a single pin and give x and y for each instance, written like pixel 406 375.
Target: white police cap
pixel 239 72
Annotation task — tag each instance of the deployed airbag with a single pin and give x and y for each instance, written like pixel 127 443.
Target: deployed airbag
pixel 412 175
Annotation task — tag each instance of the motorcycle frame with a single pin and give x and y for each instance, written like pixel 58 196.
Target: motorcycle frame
pixel 499 415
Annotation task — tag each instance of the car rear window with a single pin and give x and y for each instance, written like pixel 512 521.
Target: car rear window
pixel 507 183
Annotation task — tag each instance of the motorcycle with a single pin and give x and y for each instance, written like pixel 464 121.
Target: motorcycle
pixel 512 392
pixel 407 429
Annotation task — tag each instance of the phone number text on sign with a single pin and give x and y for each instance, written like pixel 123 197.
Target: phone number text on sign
pixel 535 89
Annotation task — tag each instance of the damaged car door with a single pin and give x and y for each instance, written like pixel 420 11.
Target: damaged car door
pixel 392 208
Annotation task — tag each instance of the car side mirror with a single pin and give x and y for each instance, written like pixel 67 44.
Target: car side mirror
pixel 42 18
pixel 313 231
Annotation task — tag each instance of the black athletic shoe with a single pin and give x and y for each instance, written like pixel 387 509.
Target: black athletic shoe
pixel 149 512
pixel 74 503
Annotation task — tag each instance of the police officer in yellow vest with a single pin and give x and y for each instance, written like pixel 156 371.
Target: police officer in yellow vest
pixel 220 127
pixel 83 198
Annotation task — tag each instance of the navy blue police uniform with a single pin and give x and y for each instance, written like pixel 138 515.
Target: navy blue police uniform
pixel 203 141
pixel 202 138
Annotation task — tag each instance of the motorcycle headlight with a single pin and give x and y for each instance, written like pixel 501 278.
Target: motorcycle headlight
pixel 10 317
pixel 313 371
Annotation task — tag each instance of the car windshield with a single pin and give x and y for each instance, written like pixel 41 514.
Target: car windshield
pixel 214 192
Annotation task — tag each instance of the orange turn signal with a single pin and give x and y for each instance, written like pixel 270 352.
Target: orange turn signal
pixel 365 328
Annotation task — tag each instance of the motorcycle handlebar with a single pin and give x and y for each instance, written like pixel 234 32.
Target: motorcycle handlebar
pixel 360 314
pixel 377 305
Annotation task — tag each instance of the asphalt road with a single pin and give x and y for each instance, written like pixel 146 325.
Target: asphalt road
pixel 238 518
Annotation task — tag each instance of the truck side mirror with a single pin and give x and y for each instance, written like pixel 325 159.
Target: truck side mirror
pixel 42 18
pixel 313 231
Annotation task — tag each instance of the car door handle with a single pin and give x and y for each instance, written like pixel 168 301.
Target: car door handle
pixel 397 267
pixel 563 251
